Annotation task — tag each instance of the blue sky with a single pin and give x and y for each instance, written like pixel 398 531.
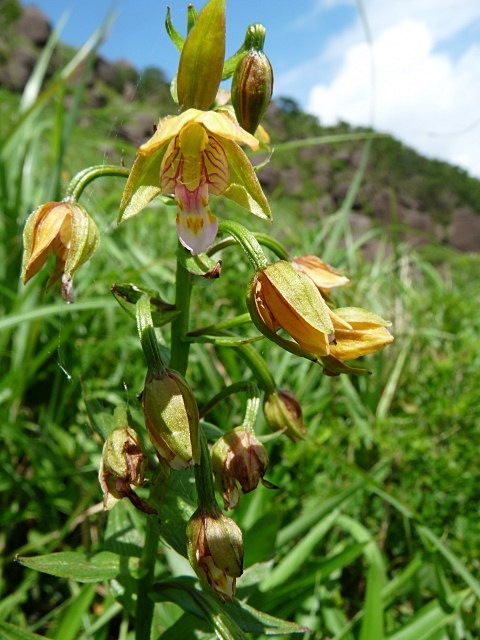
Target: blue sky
pixel 407 67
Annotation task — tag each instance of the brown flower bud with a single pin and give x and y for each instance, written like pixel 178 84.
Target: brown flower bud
pixel 215 551
pixel 252 83
pixel 122 465
pixel 283 412
pixel 239 459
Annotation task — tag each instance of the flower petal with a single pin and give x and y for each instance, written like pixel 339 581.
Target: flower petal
pixel 244 187
pixel 222 124
pixel 196 225
pixel 142 185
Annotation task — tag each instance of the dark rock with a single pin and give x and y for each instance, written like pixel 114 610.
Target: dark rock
pixel 19 68
pixel 34 26
pixel 269 178
pixel 138 130
pixel 419 228
pixel 96 98
pixel 105 71
pixel 292 181
pixel 464 230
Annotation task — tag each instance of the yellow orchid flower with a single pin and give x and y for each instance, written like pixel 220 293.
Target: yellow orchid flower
pixel 190 157
pixel 358 332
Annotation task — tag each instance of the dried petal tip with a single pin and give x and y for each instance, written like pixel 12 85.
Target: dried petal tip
pixel 122 465
pixel 323 275
pixel 64 229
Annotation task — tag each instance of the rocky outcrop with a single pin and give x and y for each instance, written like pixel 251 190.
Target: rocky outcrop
pixel 415 207
pixel 464 230
pixel 34 26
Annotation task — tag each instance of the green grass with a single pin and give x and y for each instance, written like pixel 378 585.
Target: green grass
pixel 373 532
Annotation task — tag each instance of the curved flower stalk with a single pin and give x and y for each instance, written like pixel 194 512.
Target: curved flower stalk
pixel 190 157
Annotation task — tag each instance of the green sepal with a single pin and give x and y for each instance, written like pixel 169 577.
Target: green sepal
pixel 361 318
pixel 201 61
pixel 244 187
pixel 254 39
pixel 192 15
pixel 287 345
pixel 299 291
pixel 177 39
pixel 143 184
pixel 85 240
pixel 333 366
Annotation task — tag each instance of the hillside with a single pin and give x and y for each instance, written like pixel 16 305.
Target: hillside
pixel 421 200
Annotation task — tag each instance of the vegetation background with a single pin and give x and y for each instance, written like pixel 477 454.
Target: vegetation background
pixel 374 532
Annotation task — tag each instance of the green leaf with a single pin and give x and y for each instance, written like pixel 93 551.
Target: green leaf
pixel 11 632
pixel 458 566
pixel 71 621
pixel 299 554
pixel 372 623
pixel 236 616
pixel 79 566
pixel 312 515
pixel 429 620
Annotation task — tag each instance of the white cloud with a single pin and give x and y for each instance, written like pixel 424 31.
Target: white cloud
pixel 420 94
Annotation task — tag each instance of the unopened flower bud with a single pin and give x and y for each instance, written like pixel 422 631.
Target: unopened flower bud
pixel 201 61
pixel 171 417
pixel 252 83
pixel 64 229
pixel 283 412
pixel 239 459
pixel 215 551
pixel 122 465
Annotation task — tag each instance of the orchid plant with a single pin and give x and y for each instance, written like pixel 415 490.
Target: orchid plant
pixel 193 155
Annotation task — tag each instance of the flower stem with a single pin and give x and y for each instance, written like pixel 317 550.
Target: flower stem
pixel 247 241
pixel 83 178
pixel 145 605
pixel 180 347
pixel 148 339
pixel 207 502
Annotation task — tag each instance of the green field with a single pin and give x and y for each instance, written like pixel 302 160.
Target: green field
pixel 373 531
